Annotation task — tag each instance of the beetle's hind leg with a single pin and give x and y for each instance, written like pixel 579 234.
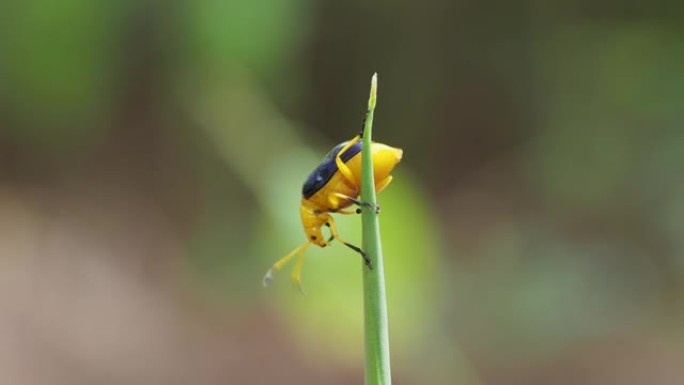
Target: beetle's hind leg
pixel 336 235
pixel 346 172
pixel 379 186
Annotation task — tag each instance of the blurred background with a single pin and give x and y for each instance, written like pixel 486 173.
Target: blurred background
pixel 151 161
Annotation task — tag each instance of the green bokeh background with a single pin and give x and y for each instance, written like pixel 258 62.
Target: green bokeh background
pixel 151 161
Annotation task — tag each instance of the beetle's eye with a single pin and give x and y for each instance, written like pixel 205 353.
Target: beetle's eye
pixel 313 237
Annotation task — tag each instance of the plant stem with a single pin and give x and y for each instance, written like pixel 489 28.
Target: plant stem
pixel 377 362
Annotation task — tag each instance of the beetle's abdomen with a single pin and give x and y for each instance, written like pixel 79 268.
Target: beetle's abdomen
pixel 327 168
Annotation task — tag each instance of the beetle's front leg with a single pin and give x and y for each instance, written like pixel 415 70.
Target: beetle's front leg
pixel 336 235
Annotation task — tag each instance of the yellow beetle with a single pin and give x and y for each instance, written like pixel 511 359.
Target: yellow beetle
pixel 330 188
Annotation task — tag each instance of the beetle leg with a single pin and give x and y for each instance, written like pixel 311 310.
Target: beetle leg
pixel 335 234
pixel 358 202
pixel 346 172
pixel 382 184
pixel 345 212
pixel 331 236
pixel 282 262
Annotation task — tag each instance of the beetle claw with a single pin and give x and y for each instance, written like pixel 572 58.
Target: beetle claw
pixel 368 263
pixel 369 206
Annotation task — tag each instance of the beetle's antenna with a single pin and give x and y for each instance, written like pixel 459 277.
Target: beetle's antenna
pixel 282 262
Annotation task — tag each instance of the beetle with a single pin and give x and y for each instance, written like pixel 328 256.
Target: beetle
pixel 333 186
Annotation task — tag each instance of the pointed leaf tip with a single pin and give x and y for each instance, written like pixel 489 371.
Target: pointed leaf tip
pixel 373 92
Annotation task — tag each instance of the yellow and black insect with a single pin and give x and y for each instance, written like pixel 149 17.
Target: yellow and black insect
pixel 332 187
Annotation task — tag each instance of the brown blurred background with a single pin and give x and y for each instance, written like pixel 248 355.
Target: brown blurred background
pixel 152 155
